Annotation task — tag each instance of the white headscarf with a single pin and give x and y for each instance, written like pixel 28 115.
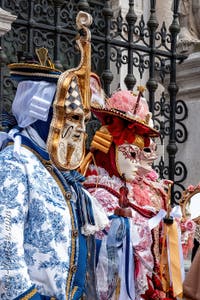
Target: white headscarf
pixel 31 103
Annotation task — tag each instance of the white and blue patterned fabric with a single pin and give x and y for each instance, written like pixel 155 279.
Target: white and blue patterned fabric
pixel 46 217
pixel 43 241
pixel 35 230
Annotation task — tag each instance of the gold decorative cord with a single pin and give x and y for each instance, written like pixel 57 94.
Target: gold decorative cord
pixel 29 295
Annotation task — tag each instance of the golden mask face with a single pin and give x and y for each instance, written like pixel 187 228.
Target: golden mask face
pixel 66 141
pixel 72 138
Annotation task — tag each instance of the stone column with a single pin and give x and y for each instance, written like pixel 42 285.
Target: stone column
pixel 6 19
pixel 189 91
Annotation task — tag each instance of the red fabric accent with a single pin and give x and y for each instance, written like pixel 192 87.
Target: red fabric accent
pixel 107 161
pixel 151 293
pixel 102 186
pixel 143 211
pixel 137 264
pixel 154 294
pixel 124 132
pixel 120 133
pixel 123 200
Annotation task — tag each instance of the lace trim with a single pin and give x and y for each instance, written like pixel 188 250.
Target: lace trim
pixel 100 217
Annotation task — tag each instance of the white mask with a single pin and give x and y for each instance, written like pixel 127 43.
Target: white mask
pixel 128 160
pixel 147 157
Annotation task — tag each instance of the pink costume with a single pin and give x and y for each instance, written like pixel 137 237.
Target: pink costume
pixel 113 179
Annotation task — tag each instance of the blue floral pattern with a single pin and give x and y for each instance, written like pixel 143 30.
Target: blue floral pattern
pixel 35 228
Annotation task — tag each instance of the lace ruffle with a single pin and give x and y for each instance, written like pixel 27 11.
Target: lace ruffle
pixel 100 218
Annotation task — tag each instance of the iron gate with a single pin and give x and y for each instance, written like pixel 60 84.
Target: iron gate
pixel 143 46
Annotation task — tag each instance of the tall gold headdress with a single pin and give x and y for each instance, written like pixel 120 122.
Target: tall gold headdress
pixel 73 92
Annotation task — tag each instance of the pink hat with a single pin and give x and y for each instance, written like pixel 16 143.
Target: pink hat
pixel 130 107
pixel 126 101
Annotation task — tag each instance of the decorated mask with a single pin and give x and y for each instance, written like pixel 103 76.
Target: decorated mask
pixel 147 157
pixel 127 128
pixel 71 140
pixel 128 160
pixel 71 108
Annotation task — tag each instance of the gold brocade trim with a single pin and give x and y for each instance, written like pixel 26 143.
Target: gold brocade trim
pixel 152 132
pixel 102 141
pixel 46 164
pixel 74 291
pixel 29 295
pixel 38 67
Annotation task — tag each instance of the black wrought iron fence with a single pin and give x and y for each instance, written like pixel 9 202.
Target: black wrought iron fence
pixel 138 46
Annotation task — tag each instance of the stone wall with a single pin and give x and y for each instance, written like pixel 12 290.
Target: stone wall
pixel 188 80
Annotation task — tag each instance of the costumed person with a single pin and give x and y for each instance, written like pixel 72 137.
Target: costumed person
pixel 196 241
pixel 120 141
pixel 153 193
pixel 48 219
pixel 118 175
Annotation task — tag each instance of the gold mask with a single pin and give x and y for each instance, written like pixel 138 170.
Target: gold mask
pixel 71 107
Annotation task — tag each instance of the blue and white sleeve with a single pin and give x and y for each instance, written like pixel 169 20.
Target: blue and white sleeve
pixel 14 278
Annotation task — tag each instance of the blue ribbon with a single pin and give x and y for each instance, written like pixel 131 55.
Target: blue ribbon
pixel 126 225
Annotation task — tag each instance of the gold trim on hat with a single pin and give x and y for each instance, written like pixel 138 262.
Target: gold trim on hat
pixel 32 66
pixel 46 63
pixel 114 112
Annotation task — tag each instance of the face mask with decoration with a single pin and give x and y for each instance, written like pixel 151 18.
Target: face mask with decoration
pixel 71 107
pixel 126 118
pixel 147 157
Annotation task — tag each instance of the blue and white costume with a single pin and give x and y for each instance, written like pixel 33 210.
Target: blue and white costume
pixel 44 228
pixel 36 228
